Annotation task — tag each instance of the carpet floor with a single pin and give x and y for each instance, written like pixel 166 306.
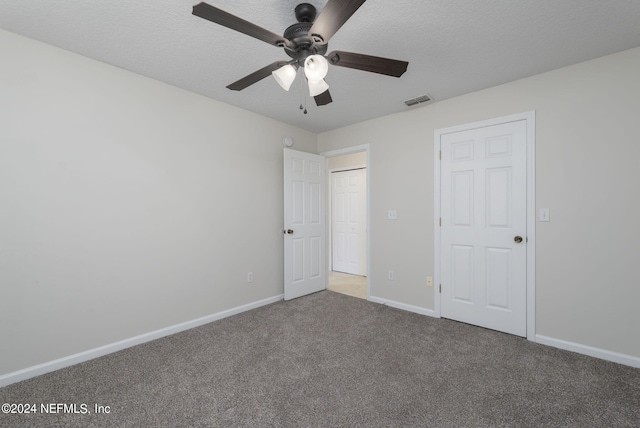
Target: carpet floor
pixel 331 360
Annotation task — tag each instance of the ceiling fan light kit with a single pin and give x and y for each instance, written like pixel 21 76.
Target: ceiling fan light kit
pixel 317 87
pixel 306 43
pixel 315 67
pixel 285 76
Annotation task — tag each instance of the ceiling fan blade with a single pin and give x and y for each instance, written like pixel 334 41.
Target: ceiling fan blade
pixel 256 76
pixel 333 16
pixel 374 64
pixel 323 99
pixel 219 16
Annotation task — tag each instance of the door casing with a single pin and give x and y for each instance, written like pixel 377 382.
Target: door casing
pixel 529 117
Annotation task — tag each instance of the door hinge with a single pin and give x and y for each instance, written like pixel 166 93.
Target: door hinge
pixel 440 154
pixel 440 221
pixel 440 289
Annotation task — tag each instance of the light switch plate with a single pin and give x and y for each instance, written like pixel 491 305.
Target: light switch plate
pixel 544 214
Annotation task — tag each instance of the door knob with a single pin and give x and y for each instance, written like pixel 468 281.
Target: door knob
pixel 518 239
pixel 290 231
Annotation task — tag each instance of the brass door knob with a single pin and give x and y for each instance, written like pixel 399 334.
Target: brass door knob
pixel 518 239
pixel 290 231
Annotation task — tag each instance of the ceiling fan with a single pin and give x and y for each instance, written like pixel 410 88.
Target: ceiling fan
pixel 306 43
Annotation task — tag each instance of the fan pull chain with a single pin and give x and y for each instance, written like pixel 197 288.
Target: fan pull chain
pixel 302 97
pixel 304 91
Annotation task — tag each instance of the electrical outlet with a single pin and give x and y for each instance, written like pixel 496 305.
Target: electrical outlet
pixel 249 276
pixel 429 281
pixel 390 275
pixel 392 215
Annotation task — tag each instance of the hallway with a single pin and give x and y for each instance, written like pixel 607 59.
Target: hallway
pixel 351 285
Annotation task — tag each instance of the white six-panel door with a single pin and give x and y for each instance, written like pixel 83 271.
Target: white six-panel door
pixel 348 225
pixel 483 233
pixel 304 223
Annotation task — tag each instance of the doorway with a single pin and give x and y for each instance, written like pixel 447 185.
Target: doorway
pixel 347 220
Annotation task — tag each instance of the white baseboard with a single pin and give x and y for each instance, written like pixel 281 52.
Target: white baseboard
pixel 404 306
pixel 616 357
pixel 40 369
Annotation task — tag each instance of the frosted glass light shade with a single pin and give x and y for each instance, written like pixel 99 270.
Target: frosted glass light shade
pixel 317 87
pixel 285 76
pixel 315 67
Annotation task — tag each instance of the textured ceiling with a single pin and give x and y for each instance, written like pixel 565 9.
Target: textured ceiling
pixel 453 46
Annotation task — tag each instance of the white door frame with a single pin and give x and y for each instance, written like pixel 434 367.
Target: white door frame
pixel 529 117
pixel 346 151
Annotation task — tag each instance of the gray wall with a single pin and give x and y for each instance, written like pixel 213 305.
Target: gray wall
pixel 587 152
pixel 126 205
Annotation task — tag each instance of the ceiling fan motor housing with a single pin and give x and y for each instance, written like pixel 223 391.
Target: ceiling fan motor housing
pixel 302 44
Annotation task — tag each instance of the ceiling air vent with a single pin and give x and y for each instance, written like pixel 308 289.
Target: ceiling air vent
pixel 419 100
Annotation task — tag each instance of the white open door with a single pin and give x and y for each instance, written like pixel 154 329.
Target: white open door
pixel 304 223
pixel 484 227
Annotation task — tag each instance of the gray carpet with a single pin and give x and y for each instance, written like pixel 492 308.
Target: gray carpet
pixel 334 360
